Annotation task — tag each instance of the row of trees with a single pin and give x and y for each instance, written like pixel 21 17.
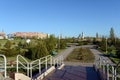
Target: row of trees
pixel 37 48
pixel 110 45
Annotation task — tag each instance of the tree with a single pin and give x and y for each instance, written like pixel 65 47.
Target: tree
pixel 97 36
pixel 8 44
pixel 51 43
pixel 112 36
pixel 8 51
pixel 0 45
pixel 63 44
pixel 103 44
pixel 36 51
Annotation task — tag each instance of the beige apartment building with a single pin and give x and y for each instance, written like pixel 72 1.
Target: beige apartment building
pixel 30 35
pixel 2 35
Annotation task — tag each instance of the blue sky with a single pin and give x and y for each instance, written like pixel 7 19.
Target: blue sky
pixel 66 17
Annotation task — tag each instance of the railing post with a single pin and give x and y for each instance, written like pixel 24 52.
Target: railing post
pixel 54 62
pixel 62 60
pixel 51 60
pixel 100 61
pixel 113 73
pixel 5 66
pixel 17 64
pixel 31 70
pixel 27 69
pixel 40 66
pixel 5 62
pixel 107 71
pixel 104 67
pixel 46 63
pixel 57 62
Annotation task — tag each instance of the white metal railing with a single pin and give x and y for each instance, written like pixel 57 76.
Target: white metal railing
pixel 38 63
pixel 45 62
pixel 3 65
pixel 58 61
pixel 33 65
pixel 23 62
pixel 106 69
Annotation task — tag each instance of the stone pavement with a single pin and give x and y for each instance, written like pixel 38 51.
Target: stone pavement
pixel 73 73
pixel 74 70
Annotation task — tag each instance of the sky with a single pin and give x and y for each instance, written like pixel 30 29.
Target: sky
pixel 67 17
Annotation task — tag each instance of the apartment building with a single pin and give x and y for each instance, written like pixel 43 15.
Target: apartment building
pixel 2 35
pixel 29 35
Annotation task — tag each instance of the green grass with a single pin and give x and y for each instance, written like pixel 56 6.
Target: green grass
pixel 114 60
pixel 13 59
pixel 81 55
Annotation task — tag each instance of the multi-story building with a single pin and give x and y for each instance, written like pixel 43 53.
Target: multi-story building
pixel 2 35
pixel 29 35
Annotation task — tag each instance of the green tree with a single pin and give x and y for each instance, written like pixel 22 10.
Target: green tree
pixel 111 50
pixel 112 36
pixel 37 50
pixel 8 44
pixel 103 44
pixel 8 51
pixel 51 42
pixel 63 44
pixel 97 36
pixel 0 45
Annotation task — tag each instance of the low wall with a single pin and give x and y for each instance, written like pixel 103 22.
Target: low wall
pixel 20 76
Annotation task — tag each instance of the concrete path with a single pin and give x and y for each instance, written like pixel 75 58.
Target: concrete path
pixel 74 70
pixel 74 73
pixel 99 54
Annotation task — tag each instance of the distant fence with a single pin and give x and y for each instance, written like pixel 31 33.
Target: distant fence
pixel 106 70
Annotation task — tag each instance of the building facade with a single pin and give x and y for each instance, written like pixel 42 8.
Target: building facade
pixel 29 35
pixel 2 35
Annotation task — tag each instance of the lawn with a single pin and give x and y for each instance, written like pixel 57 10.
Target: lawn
pixel 83 55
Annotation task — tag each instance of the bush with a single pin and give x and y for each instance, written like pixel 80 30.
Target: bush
pixel 63 44
pixel 8 44
pixel 37 51
pixel 50 43
pixel 81 55
pixel 9 51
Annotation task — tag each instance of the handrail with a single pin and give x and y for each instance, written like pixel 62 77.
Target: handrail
pixel 19 62
pixel 36 63
pixel 107 68
pixel 58 61
pixel 5 61
pixel 45 60
pixel 39 62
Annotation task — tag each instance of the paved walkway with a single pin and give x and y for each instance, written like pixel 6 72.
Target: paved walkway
pixel 74 70
pixel 73 73
pixel 98 54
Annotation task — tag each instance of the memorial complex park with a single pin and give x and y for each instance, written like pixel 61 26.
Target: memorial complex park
pixel 57 58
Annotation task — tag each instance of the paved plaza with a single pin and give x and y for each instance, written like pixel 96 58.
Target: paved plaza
pixel 75 70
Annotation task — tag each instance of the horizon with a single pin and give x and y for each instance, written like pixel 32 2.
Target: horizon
pixel 67 17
